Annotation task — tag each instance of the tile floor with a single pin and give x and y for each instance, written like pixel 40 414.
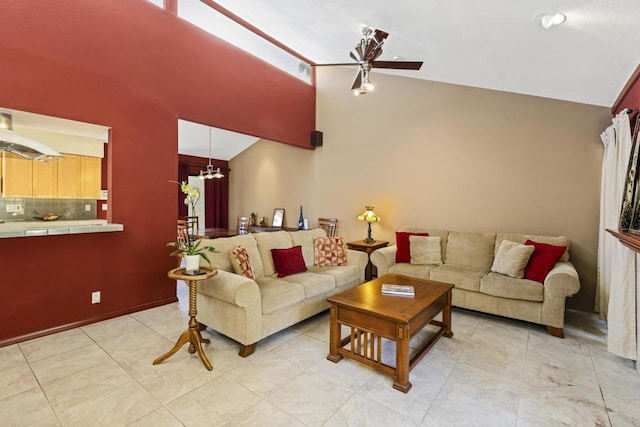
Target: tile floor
pixel 493 372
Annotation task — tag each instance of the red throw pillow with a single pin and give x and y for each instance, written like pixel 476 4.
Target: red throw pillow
pixel 542 260
pixel 288 261
pixel 403 252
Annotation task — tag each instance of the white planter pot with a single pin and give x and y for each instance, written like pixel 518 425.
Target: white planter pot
pixel 192 262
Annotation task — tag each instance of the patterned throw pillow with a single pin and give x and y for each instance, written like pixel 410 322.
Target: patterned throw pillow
pixel 241 263
pixel 329 251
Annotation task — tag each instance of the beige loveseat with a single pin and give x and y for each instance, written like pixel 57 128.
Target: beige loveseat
pixel 248 310
pixel 467 259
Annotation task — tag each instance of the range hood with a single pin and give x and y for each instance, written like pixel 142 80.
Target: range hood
pixel 21 145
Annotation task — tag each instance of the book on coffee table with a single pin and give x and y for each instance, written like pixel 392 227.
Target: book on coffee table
pixel 405 290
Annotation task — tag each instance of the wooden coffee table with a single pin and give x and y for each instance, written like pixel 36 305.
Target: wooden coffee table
pixel 372 316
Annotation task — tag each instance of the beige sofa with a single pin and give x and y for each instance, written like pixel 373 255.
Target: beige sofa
pixel 248 310
pixel 467 260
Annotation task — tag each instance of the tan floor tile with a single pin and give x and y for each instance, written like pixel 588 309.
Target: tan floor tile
pixel 61 365
pixel 310 398
pixel 52 345
pixel 217 402
pixel 121 406
pixel 168 382
pixel 25 408
pixel 577 406
pixel 369 413
pixel 158 418
pixel 74 389
pixel 17 380
pixel 10 358
pixel 110 328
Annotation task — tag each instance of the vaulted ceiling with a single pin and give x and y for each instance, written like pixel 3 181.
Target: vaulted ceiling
pixel 493 44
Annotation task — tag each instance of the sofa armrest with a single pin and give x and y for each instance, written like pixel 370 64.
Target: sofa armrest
pixel 562 281
pixel 359 259
pixel 384 258
pixel 233 289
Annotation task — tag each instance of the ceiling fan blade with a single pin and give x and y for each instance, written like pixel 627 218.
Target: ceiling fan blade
pixel 380 36
pixel 398 65
pixel 358 81
pixel 360 50
pixel 335 64
pixel 353 57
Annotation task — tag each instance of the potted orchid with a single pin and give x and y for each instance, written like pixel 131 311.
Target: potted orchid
pixel 192 253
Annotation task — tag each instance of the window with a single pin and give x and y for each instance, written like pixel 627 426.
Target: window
pixel 213 22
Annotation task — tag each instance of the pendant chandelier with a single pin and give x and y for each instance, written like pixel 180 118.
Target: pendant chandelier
pixel 210 173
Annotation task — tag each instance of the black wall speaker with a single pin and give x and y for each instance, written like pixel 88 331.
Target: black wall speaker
pixel 316 138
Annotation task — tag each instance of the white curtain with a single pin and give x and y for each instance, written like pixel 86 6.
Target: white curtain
pixel 616 287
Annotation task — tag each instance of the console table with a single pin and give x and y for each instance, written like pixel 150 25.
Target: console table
pixel 191 335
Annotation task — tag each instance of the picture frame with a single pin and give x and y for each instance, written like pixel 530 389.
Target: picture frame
pixel 278 217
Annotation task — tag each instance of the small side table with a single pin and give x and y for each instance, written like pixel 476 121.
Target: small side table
pixel 191 335
pixel 363 246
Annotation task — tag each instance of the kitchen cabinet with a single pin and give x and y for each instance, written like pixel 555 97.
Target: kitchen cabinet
pixel 69 177
pixel 45 179
pixel 74 177
pixel 17 176
pixel 90 177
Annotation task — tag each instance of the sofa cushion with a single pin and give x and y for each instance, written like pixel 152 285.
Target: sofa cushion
pixel 403 245
pixel 462 276
pixel 288 261
pixel 278 293
pixel 503 286
pixel 542 261
pixel 412 270
pixel 222 260
pixel 305 238
pixel 473 250
pixel 313 283
pixel 329 251
pixel 343 275
pixel 425 250
pixel 241 262
pixel 266 242
pixel 512 258
pixel 522 238
pixel 443 234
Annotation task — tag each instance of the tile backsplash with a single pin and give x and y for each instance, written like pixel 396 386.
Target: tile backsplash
pixel 14 209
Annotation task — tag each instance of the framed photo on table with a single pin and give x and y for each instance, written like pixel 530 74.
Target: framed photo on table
pixel 278 217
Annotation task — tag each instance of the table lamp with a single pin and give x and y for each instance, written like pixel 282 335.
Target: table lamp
pixel 370 216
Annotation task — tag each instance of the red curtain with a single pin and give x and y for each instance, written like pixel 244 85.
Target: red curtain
pixel 216 201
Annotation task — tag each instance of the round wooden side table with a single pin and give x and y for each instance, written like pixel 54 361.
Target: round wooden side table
pixel 191 335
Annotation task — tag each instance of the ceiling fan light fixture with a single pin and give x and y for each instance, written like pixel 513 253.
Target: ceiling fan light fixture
pixel 551 19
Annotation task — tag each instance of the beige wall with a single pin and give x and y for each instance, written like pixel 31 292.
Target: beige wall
pixel 437 155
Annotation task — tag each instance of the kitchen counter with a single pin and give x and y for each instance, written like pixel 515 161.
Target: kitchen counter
pixel 56 228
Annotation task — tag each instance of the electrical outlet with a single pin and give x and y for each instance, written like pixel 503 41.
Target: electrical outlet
pixel 95 297
pixel 14 207
pixel 87 208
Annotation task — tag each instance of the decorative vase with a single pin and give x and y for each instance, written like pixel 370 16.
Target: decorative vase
pixel 301 220
pixel 192 262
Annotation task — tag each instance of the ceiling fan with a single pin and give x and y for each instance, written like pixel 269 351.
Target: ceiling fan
pixel 365 54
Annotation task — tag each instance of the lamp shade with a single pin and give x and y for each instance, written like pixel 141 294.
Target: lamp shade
pixel 369 215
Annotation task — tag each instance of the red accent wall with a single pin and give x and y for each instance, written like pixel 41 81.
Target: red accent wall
pixel 630 95
pixel 136 68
